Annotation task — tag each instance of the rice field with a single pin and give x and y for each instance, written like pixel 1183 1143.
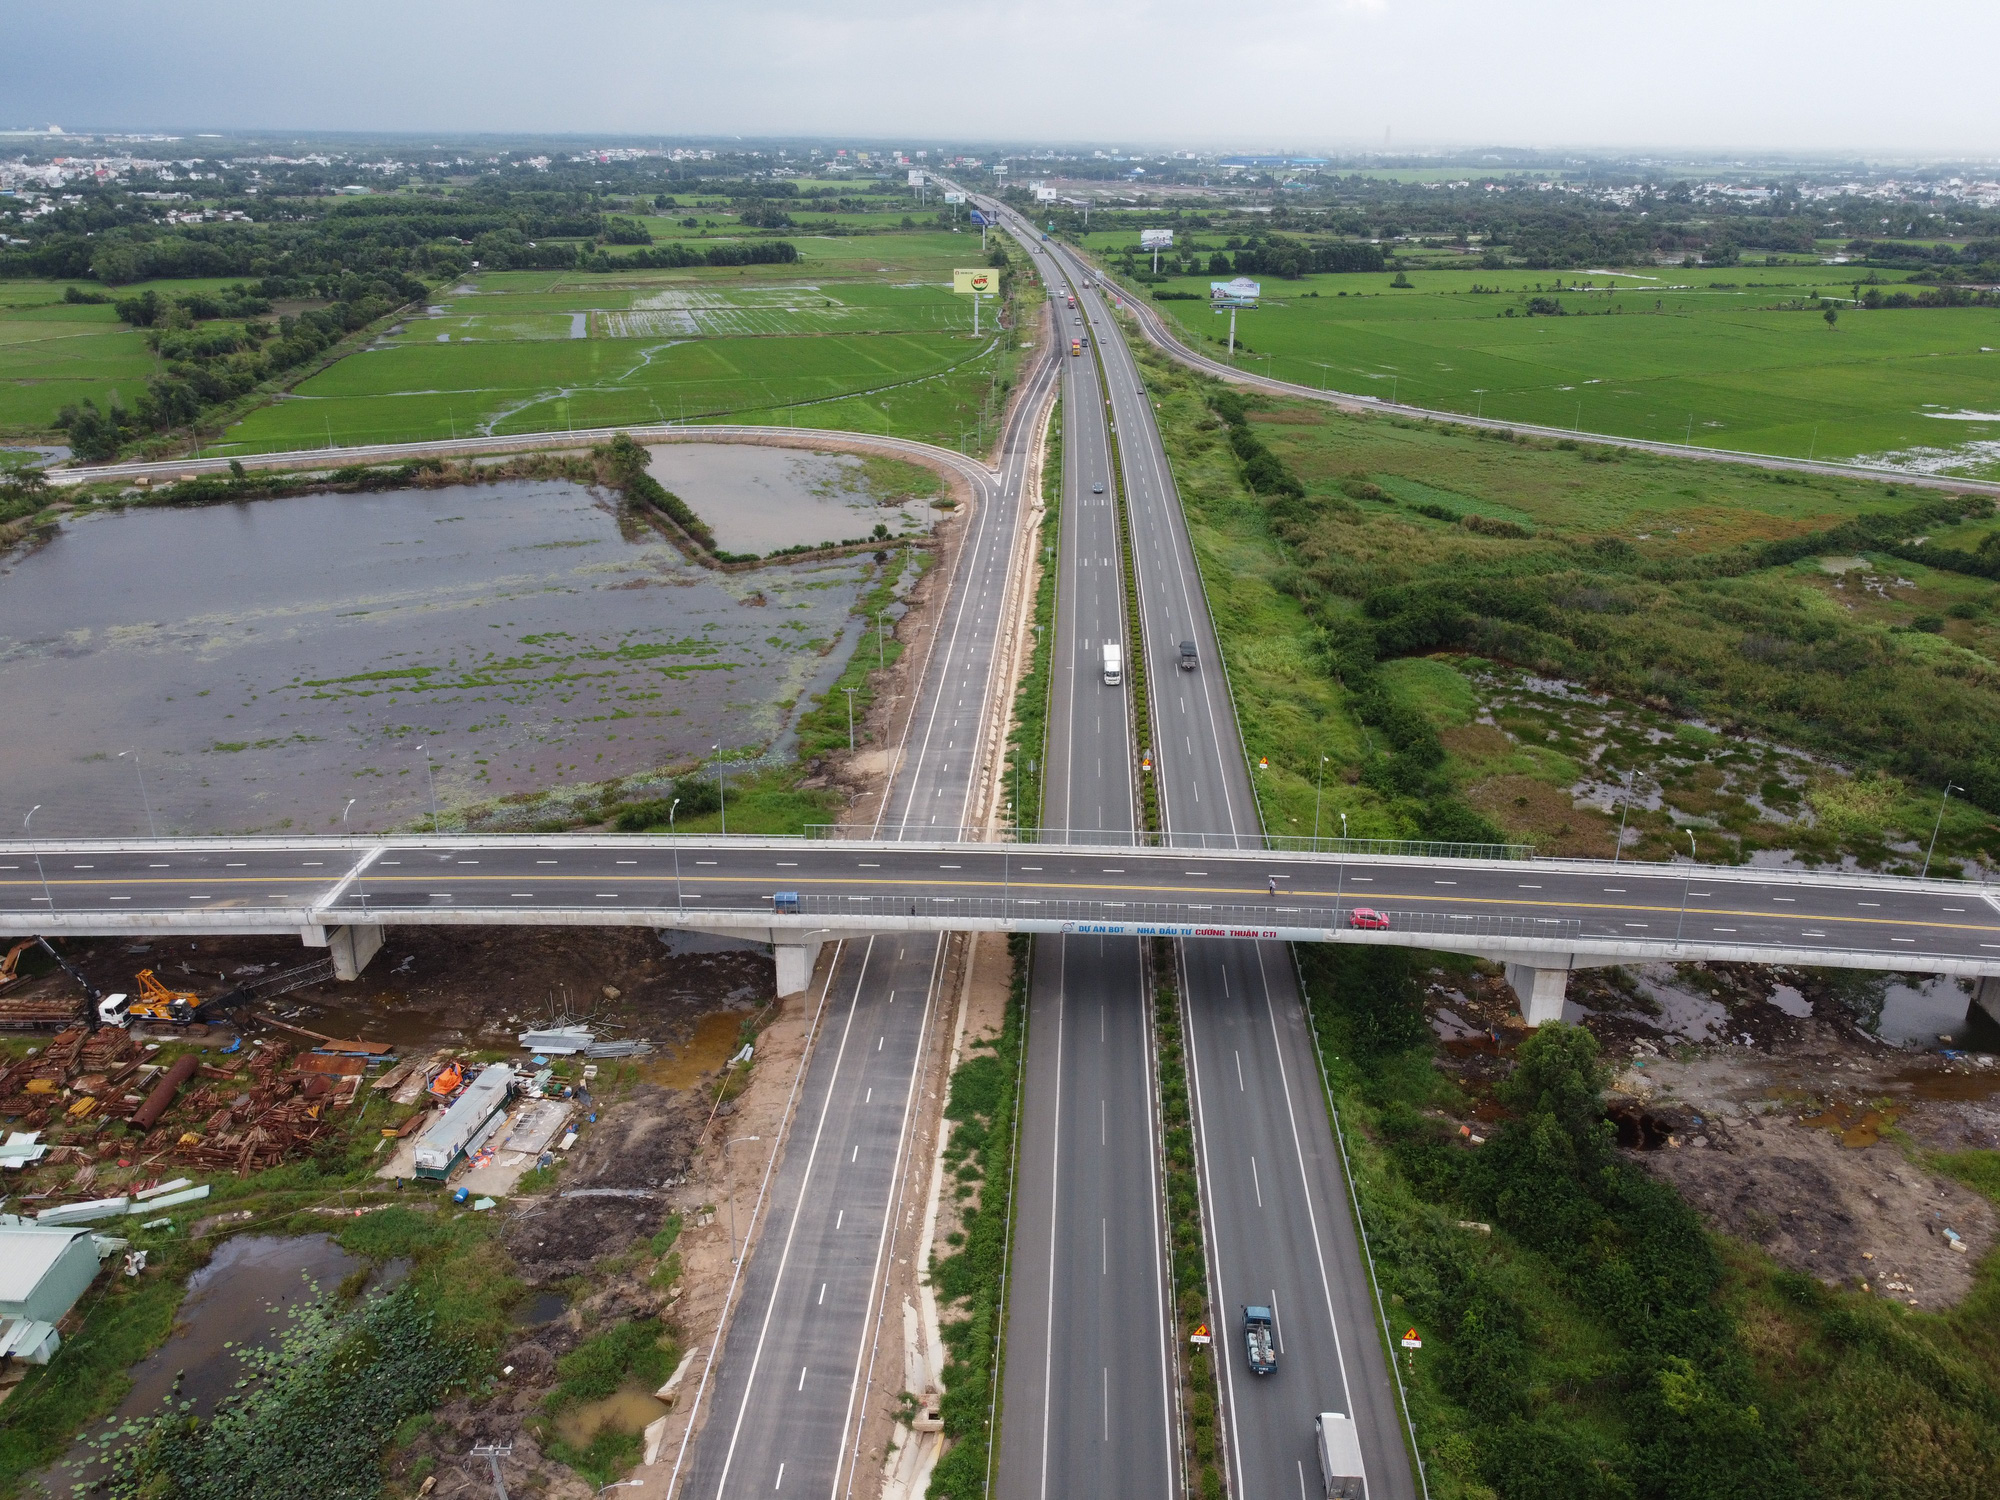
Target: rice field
pixel 1739 358
pixel 860 333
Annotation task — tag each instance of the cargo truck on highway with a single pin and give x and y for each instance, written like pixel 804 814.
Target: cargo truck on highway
pixel 1114 664
pixel 1339 1457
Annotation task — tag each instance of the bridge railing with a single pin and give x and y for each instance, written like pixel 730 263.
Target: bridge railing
pixel 1123 838
pixel 1185 914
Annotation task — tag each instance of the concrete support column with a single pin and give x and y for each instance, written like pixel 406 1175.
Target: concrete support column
pixel 795 964
pixel 1986 995
pixel 350 948
pixel 1539 992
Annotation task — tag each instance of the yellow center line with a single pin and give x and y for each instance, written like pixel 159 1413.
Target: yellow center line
pixel 1257 896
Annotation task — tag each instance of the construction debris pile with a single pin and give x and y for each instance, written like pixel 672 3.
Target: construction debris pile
pixel 92 1106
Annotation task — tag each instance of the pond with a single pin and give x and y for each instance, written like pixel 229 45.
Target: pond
pixel 263 662
pixel 759 499
pixel 239 1300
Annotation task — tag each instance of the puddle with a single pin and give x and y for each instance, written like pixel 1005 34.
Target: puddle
pixel 1857 1127
pixel 717 1037
pixel 1682 1013
pixel 1921 1015
pixel 626 1411
pixel 1960 1087
pixel 1791 1002
pixel 240 1299
pixel 545 1307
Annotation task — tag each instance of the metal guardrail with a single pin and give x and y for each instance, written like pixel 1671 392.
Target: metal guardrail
pixel 1186 914
pixel 1122 838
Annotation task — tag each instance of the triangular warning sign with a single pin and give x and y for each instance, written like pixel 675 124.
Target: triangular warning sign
pixel 1201 1330
pixel 1411 1334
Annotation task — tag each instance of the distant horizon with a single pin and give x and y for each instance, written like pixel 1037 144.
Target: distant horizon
pixel 1442 152
pixel 1712 75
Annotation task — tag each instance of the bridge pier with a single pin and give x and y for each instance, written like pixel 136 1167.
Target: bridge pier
pixel 349 947
pixel 1539 991
pixel 795 964
pixel 1986 995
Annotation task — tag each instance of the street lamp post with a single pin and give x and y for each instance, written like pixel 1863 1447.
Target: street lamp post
pixel 674 834
pixel 1949 788
pixel 1318 791
pixel 39 871
pixel 1693 855
pixel 144 801
pixel 881 647
pixel 721 787
pixel 850 718
pixel 729 1172
pixel 430 776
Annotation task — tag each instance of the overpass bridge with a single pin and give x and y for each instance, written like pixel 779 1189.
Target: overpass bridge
pixel 1543 918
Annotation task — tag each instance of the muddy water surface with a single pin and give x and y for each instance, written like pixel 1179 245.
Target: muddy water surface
pixel 760 499
pixel 266 661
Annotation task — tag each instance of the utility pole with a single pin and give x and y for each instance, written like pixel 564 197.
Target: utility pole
pixel 493 1453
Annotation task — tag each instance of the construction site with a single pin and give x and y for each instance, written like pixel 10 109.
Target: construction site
pixel 158 1098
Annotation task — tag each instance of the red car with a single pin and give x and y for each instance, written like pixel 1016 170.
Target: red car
pixel 1367 916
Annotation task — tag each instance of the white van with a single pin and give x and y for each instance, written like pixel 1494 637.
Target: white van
pixel 1114 664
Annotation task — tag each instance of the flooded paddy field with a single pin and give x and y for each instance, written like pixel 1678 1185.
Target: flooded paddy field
pixel 264 662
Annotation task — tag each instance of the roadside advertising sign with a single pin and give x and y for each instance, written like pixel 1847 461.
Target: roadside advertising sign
pixel 982 281
pixel 1156 239
pixel 954 197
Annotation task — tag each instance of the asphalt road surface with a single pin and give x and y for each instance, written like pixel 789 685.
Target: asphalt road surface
pixel 799 1362
pixel 1090 1398
pixel 1275 1198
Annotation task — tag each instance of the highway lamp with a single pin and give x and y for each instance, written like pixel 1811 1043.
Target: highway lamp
pixel 674 834
pixel 881 648
pixel 39 871
pixel 361 870
pixel 1323 368
pixel 1395 384
pixel 850 718
pixel 1624 806
pixel 1318 791
pixel 620 1484
pixel 721 787
pixel 144 801
pixel 729 1172
pixel 1479 411
pixel 430 775
pixel 1949 788
pixel 1693 855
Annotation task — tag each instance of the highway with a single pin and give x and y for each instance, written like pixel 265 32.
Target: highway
pixel 1275 1201
pixel 1089 1404
pixel 790 1383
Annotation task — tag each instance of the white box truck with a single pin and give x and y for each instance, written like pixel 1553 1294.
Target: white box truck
pixel 1114 664
pixel 1339 1457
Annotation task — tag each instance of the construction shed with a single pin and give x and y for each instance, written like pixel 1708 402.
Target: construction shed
pixel 463 1128
pixel 43 1271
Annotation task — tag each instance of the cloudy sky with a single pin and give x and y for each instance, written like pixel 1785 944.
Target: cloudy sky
pixel 1835 75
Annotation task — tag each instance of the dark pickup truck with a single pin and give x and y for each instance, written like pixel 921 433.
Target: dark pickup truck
pixel 1258 1342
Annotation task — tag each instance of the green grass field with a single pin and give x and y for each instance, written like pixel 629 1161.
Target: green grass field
pixel 53 354
pixel 1709 357
pixel 859 334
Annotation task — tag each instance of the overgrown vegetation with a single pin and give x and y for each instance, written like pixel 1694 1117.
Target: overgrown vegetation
pixel 1686 591
pixel 971 1279
pixel 1027 737
pixel 1597 1342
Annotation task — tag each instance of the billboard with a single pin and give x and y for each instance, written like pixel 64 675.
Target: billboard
pixel 1045 195
pixel 1156 239
pixel 981 280
pixel 979 218
pixel 954 197
pixel 916 177
pixel 1242 289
